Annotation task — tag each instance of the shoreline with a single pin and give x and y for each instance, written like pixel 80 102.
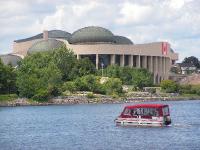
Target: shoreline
pixel 84 100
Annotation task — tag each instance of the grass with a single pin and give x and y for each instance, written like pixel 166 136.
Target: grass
pixel 8 97
pixel 190 95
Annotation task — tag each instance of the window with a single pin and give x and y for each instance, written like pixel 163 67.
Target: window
pixel 145 111
pixel 165 111
pixel 127 111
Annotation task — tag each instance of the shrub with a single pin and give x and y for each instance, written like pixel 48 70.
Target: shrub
pixel 42 95
pixel 169 86
pixel 113 86
pixel 198 92
pixel 90 95
pixel 54 91
pixel 130 76
pixel 38 76
pixel 186 89
pixel 70 86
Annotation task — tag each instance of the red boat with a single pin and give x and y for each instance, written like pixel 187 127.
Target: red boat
pixel 145 115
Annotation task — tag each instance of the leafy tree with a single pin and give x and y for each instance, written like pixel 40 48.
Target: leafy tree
pixel 41 74
pixel 141 78
pixel 112 71
pixel 80 84
pixel 169 86
pixel 113 86
pixel 89 83
pixel 192 60
pixel 81 68
pixel 127 75
pixel 38 76
pixel 186 89
pixel 70 86
pixel 130 76
pixel 65 60
pixel 7 79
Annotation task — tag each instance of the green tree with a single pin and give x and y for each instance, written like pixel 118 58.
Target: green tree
pixel 130 76
pixel 141 78
pixel 81 68
pixel 112 71
pixel 7 79
pixel 89 83
pixel 38 77
pixel 70 86
pixel 113 86
pixel 65 60
pixel 192 60
pixel 126 75
pixel 169 86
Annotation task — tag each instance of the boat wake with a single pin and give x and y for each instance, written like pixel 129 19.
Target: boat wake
pixel 184 125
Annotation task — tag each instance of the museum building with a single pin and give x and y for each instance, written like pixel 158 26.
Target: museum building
pixel 103 48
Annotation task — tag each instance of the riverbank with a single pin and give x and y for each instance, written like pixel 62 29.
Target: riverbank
pixel 68 100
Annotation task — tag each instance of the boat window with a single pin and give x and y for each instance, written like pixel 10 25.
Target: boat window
pixel 165 111
pixel 127 111
pixel 145 111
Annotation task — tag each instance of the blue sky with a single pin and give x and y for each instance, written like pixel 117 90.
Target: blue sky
pixel 143 21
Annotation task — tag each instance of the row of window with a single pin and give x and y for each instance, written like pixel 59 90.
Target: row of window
pixel 141 112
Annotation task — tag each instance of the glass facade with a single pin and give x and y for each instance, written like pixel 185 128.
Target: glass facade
pixel 117 60
pixel 126 60
pixel 91 57
pixel 104 60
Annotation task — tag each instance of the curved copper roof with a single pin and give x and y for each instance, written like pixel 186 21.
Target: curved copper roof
pixel 92 34
pixel 45 45
pixel 51 34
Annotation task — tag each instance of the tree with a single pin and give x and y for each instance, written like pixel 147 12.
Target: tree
pixel 38 76
pixel 130 76
pixel 81 68
pixel 141 78
pixel 65 60
pixel 169 86
pixel 7 79
pixel 89 83
pixel 70 86
pixel 192 60
pixel 126 75
pixel 112 71
pixel 113 86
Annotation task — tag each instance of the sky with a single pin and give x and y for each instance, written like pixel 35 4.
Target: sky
pixel 143 21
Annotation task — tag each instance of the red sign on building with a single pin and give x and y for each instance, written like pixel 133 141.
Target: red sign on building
pixel 165 47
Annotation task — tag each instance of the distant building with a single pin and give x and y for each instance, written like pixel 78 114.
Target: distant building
pixel 187 68
pixel 11 59
pixel 101 46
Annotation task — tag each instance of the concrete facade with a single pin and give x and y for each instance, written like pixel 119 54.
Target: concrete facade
pixel 156 57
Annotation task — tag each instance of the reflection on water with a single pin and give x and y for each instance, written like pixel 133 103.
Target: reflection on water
pixel 92 127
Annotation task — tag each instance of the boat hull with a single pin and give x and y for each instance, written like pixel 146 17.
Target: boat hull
pixel 140 122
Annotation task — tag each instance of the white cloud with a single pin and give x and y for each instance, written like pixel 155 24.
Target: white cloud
pixel 176 4
pixel 134 13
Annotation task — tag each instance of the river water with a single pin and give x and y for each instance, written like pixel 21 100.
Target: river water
pixel 91 127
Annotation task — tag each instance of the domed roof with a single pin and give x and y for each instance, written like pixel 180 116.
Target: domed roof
pixel 92 34
pixel 122 40
pixel 10 59
pixel 51 34
pixel 59 34
pixel 45 45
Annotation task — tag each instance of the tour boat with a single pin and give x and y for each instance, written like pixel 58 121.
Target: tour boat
pixel 145 115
